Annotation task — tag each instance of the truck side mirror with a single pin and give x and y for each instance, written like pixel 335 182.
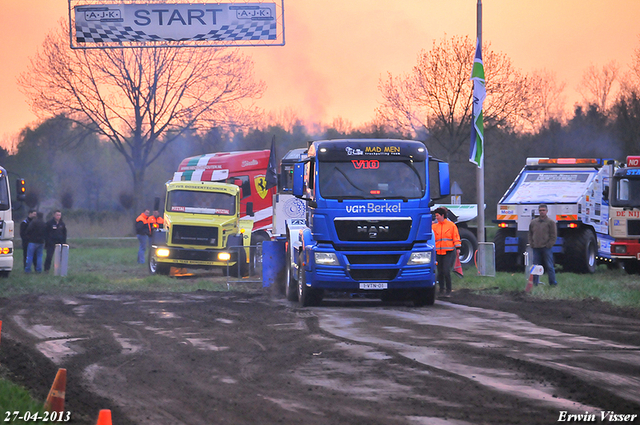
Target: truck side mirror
pixel 298 180
pixel 249 208
pixel 439 179
pixel 21 192
pixel 443 173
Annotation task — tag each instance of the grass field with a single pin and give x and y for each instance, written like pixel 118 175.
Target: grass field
pixel 109 265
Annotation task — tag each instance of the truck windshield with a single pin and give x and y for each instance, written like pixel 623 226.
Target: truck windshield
pixel 5 201
pixel 371 179
pixel 538 187
pixel 626 192
pixel 197 202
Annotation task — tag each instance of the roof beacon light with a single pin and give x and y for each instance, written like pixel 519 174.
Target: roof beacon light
pixel 567 161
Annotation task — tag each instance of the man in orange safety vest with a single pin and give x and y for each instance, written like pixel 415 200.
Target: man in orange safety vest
pixel 447 244
pixel 156 221
pixel 143 231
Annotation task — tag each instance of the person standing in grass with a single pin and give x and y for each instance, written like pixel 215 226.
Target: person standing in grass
pixel 36 234
pixel 56 233
pixel 447 244
pixel 156 221
pixel 23 235
pixel 542 237
pixel 143 231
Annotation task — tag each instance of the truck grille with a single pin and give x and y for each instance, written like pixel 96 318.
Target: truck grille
pixel 633 227
pixel 373 274
pixel 373 230
pixel 194 235
pixel 374 259
pixel 179 254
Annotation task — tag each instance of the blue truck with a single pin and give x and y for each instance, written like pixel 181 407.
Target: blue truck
pixel 367 226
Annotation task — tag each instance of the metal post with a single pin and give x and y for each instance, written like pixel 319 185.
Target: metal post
pixel 480 171
pixel 60 259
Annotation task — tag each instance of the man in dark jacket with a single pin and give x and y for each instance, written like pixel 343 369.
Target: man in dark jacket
pixel 542 237
pixel 23 235
pixel 56 233
pixel 35 233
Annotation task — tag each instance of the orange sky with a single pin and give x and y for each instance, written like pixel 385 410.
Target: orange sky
pixel 336 50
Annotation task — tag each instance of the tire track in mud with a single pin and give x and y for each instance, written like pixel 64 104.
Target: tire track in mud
pixel 499 352
pixel 233 358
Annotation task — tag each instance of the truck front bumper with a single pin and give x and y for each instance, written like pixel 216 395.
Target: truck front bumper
pixel 6 256
pixel 187 257
pixel 626 249
pixel 366 270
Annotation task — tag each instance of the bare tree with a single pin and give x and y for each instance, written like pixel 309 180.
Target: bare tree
pixel 140 99
pixel 436 95
pixel 597 84
pixel 551 99
pixel 287 118
pixel 630 81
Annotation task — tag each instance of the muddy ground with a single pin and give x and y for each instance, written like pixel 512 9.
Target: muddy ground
pixel 253 358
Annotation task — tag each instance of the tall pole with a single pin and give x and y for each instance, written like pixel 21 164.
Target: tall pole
pixel 480 170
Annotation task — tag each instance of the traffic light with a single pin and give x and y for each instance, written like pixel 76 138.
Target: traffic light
pixel 21 192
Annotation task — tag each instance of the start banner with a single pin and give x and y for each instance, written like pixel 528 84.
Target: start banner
pixel 176 23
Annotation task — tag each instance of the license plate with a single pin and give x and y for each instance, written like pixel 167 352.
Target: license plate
pixel 374 285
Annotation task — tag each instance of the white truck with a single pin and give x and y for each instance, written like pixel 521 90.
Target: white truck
pixel 6 221
pixel 575 191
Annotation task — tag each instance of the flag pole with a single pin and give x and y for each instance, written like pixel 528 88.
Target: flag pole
pixel 480 169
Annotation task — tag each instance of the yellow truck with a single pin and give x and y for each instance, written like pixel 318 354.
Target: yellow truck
pixel 202 229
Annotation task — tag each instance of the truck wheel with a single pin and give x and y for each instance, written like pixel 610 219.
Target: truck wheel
pixel 256 259
pixel 157 268
pixel 505 261
pixel 240 268
pixel 291 285
pixel 307 296
pixel 468 247
pixel 425 296
pixel 631 266
pixel 580 250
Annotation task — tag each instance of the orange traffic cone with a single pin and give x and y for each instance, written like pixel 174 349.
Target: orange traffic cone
pixel 529 286
pixel 104 417
pixel 55 399
pixel 457 268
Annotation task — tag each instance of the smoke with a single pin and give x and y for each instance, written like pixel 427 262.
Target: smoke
pixel 294 73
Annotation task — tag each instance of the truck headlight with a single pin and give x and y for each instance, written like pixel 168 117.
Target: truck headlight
pixel 419 258
pixel 326 258
pixel 619 249
pixel 224 256
pixel 162 252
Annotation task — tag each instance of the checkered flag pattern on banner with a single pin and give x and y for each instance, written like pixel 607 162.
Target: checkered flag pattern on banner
pixel 97 33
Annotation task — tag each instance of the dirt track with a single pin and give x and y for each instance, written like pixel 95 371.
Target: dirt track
pixel 238 358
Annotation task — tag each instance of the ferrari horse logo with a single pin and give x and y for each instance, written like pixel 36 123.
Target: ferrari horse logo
pixel 260 183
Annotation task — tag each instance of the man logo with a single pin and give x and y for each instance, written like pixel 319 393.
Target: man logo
pixel 373 231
